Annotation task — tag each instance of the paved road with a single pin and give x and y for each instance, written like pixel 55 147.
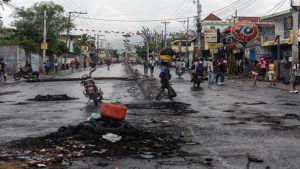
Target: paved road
pixel 223 123
pixel 21 118
pixel 236 119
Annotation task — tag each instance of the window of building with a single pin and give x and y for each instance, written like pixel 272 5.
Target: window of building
pixel 285 27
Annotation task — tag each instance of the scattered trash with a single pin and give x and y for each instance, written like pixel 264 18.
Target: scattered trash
pixel 94 116
pixel 102 151
pixel 52 98
pixel 41 166
pixel 165 121
pixel 23 158
pixel 112 137
pixel 147 155
pixel 78 154
pixel 112 111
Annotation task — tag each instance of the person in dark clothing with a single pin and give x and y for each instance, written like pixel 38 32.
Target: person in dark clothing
pixel 27 67
pixel 287 65
pixel 2 69
pixel 165 76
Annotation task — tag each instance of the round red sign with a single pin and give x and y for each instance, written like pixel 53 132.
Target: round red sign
pixel 244 31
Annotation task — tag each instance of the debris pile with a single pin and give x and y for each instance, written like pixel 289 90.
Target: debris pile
pixel 99 137
pixel 52 98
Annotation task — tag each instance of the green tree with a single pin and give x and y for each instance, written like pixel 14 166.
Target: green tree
pixel 29 25
pixel 114 53
pixel 141 51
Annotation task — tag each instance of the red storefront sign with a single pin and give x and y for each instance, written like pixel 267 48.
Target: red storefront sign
pixel 244 31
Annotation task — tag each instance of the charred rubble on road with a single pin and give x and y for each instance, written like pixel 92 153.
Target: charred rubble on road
pixel 87 140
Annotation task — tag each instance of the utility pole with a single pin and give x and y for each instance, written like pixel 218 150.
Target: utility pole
pixel 165 22
pixel 295 47
pixel 45 33
pixel 69 25
pixel 187 39
pixel 199 27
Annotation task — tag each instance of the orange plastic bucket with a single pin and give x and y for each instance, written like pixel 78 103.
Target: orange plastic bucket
pixel 112 111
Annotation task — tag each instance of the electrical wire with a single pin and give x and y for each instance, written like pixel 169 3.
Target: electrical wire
pixel 184 7
pixel 241 7
pixel 188 8
pixel 179 7
pixel 278 4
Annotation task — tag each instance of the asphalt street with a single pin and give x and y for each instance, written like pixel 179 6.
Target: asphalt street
pixel 232 126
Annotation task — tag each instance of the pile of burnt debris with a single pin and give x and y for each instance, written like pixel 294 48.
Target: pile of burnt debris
pixel 104 138
pixel 60 97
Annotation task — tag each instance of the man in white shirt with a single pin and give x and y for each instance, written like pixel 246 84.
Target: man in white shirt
pixel 210 71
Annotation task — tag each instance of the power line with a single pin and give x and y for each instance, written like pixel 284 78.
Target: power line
pixel 182 3
pixel 182 9
pixel 278 4
pixel 119 20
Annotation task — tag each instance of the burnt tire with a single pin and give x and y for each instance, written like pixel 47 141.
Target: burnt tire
pixel 17 76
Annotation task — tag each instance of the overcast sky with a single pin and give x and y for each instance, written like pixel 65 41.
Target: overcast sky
pixel 136 10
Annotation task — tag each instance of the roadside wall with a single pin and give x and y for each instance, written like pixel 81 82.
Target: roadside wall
pixel 13 56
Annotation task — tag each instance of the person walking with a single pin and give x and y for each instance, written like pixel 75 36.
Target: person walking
pixel 210 71
pixel 216 70
pixel 271 73
pixel 146 66
pixel 287 65
pixel 152 65
pixel 2 69
pixel 255 68
pixel 84 62
pixel 56 65
pixel 223 70
pixel 47 66
pixel 164 76
pixel 263 67
pixel 296 72
pixel 108 63
pixel 72 65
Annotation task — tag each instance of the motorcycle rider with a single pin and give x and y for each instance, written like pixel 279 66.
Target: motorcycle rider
pixel 197 67
pixel 27 68
pixel 180 66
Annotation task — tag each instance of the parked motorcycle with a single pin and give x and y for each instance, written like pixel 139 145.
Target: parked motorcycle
pixel 90 89
pixel 29 75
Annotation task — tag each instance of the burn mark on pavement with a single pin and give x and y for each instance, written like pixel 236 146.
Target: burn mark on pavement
pixel 52 98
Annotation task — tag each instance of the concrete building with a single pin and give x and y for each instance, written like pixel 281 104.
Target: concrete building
pixel 212 27
pixel 283 27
